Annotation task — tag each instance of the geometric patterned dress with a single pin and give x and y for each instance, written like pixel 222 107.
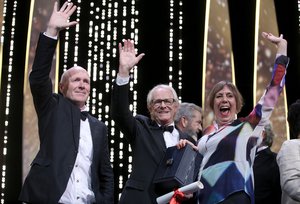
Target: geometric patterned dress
pixel 229 151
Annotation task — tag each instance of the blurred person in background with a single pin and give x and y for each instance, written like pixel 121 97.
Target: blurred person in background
pixel 188 119
pixel 288 159
pixel 266 172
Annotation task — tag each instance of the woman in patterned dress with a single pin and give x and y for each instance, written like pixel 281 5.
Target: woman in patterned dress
pixel 229 145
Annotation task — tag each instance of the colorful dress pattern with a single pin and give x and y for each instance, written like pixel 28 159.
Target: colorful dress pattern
pixel 229 151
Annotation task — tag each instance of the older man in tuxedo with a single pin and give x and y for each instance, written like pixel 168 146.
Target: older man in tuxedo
pixel 72 164
pixel 149 137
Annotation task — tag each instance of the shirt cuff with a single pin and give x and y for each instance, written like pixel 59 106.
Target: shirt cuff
pixel 53 37
pixel 282 59
pixel 122 80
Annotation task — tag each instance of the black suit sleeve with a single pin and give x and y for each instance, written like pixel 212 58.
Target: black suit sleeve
pixel 40 82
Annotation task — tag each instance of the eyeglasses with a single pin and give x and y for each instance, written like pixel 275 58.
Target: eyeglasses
pixel 167 102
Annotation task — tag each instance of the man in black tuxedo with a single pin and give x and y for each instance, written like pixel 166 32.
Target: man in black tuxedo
pixel 266 171
pixel 72 165
pixel 146 136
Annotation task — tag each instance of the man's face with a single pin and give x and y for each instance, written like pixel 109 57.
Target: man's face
pixel 194 125
pixel 77 87
pixel 163 106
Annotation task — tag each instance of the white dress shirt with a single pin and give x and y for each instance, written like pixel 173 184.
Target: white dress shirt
pixel 79 188
pixel 171 139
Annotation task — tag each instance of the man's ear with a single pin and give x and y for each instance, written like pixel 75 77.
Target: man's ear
pixel 61 88
pixel 184 121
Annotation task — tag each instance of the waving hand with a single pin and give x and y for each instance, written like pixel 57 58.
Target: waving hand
pixel 59 19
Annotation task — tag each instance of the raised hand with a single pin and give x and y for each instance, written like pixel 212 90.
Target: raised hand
pixel 127 57
pixel 59 19
pixel 279 41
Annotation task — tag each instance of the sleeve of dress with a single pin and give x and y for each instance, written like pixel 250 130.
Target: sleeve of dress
pixel 262 111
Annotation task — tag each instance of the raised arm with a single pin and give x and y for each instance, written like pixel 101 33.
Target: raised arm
pixel 59 19
pixel 263 110
pixel 127 58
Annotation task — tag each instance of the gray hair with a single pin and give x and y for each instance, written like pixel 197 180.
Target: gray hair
pixel 268 136
pixel 163 86
pixel 186 109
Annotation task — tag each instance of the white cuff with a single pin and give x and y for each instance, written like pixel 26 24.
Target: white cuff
pixel 122 80
pixel 53 37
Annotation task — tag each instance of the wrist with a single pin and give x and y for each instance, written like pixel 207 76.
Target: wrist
pixel 123 71
pixel 282 47
pixel 121 74
pixel 51 31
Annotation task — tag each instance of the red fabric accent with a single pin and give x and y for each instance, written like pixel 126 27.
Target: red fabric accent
pixel 177 197
pixel 279 73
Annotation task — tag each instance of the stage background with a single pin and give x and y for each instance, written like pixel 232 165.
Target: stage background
pixel 181 39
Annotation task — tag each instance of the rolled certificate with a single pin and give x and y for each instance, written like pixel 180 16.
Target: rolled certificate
pixel 188 189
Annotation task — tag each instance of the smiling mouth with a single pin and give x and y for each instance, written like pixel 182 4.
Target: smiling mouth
pixel 163 112
pixel 224 110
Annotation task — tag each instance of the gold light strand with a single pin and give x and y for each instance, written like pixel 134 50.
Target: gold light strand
pixel 3 12
pixel 66 50
pixel 96 62
pixel 134 36
pixel 180 49
pixel 76 39
pixel 77 28
pixel 8 91
pixel 175 46
pixel 171 42
pixel 299 15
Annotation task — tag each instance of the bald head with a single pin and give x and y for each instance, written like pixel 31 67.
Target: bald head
pixel 68 73
pixel 75 85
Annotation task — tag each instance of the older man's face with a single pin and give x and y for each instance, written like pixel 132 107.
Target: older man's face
pixel 77 87
pixel 163 106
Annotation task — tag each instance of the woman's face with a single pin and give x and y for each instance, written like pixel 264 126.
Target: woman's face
pixel 224 106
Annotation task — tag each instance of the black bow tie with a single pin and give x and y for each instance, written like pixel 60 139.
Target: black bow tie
pixel 167 128
pixel 83 115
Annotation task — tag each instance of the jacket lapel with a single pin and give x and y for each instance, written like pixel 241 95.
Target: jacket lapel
pixel 94 132
pixel 75 115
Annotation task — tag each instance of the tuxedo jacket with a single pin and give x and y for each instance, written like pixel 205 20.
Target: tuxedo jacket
pixel 266 178
pixel 59 129
pixel 148 148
